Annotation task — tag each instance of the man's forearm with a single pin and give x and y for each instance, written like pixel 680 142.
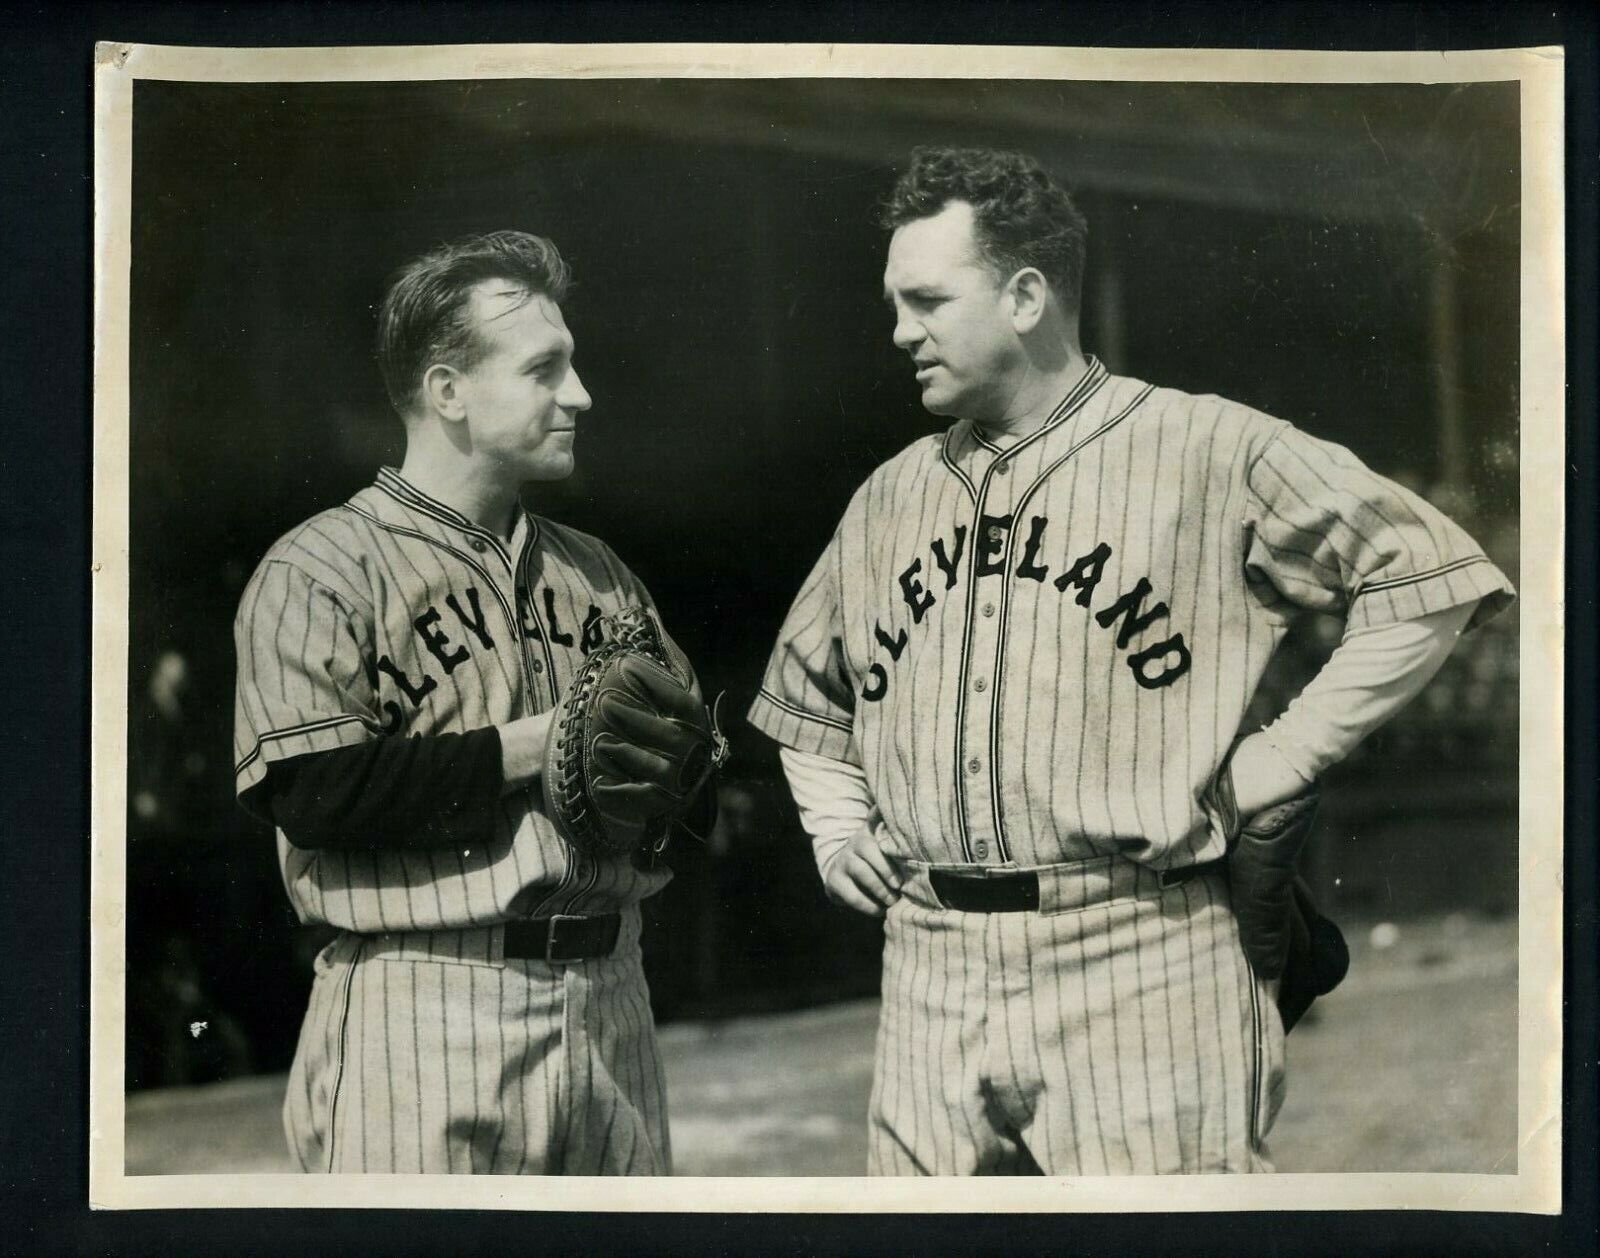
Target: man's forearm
pixel 1372 674
pixel 832 797
pixel 431 791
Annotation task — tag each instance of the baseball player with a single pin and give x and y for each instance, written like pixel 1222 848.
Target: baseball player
pixel 1008 697
pixel 482 1008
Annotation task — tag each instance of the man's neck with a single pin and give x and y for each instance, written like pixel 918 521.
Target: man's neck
pixel 1037 397
pixel 461 487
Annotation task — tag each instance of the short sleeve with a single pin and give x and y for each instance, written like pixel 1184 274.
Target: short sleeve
pixel 303 682
pixel 806 700
pixel 1329 534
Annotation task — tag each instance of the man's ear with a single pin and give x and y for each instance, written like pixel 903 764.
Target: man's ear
pixel 442 386
pixel 1029 292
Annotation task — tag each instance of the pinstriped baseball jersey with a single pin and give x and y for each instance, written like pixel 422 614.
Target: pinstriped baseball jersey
pixel 1040 652
pixel 394 615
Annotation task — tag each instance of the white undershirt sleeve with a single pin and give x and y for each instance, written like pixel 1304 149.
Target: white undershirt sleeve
pixel 833 798
pixel 1373 673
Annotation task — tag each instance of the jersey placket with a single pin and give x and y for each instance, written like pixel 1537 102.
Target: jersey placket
pixel 978 732
pixel 582 872
pixel 497 564
pixel 577 867
pixel 995 528
pixel 541 665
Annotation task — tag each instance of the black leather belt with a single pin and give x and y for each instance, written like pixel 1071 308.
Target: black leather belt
pixel 560 939
pixel 1017 891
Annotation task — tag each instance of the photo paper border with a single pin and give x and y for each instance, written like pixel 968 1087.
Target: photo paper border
pixel 1535 1187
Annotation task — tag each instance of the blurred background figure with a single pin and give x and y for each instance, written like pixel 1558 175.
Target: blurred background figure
pixel 177 1032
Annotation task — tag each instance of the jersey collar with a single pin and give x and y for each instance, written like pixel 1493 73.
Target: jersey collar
pixel 963 438
pixel 406 495
pixel 1087 385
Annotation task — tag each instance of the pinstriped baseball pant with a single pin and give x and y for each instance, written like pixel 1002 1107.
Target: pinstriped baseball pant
pixel 432 1054
pixel 1119 1030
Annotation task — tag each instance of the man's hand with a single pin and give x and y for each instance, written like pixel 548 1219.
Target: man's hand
pixel 859 875
pixel 1261 777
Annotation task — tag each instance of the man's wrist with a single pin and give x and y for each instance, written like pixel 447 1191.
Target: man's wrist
pixel 522 749
pixel 826 850
pixel 1261 776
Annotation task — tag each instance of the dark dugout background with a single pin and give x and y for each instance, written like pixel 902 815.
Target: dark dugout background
pixel 1342 256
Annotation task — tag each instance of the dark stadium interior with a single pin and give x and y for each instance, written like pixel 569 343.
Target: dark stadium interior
pixel 1346 258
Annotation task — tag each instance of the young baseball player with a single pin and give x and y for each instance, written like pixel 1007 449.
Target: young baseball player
pixel 400 660
pixel 1008 691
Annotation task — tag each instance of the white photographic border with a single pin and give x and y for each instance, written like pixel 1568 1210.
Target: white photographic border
pixel 1535 1187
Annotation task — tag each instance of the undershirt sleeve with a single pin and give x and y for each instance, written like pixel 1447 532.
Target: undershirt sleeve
pixel 1373 673
pixel 387 794
pixel 832 797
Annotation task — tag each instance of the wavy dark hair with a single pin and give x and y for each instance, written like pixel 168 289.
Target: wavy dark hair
pixel 424 315
pixel 1021 216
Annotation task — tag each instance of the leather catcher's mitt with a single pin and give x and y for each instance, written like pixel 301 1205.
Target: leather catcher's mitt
pixel 1283 935
pixel 633 750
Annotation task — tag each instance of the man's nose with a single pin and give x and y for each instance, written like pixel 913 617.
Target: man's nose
pixel 908 332
pixel 573 396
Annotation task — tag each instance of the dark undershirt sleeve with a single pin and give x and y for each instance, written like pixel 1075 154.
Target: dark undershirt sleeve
pixel 387 794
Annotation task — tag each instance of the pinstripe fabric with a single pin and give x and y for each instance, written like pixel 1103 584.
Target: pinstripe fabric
pixel 491 1067
pixel 394 615
pixel 1042 653
pixel 1038 654
pixel 422 1049
pixel 1126 1036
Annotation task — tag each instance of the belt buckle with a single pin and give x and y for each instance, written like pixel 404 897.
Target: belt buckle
pixel 550 937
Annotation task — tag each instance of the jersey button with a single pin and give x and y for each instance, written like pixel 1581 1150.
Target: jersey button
pixel 477 544
pixel 1001 468
pixel 980 849
pixel 980 685
pixel 988 609
pixel 996 533
pixel 974 765
pixel 538 666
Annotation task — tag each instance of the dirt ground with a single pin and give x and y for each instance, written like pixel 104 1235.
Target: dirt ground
pixel 1409 1066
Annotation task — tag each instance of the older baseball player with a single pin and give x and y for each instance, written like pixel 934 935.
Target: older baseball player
pixel 1008 692
pixel 482 1008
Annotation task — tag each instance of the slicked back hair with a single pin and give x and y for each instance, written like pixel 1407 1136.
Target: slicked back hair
pixel 1021 216
pixel 426 318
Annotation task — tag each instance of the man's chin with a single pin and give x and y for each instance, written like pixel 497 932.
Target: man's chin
pixel 937 402
pixel 554 469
